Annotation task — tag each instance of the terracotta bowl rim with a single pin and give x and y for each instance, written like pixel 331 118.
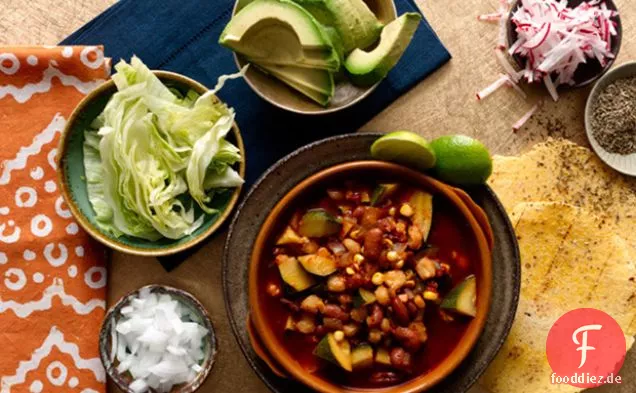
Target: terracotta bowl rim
pixel 461 350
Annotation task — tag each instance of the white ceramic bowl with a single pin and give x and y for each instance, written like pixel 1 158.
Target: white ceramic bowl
pixel 625 164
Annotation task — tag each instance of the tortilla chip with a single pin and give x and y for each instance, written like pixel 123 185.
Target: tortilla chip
pixel 567 263
pixel 561 171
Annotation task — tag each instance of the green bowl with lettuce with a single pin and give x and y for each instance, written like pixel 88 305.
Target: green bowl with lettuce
pixel 151 162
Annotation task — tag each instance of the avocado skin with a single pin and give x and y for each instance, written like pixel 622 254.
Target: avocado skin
pixel 375 71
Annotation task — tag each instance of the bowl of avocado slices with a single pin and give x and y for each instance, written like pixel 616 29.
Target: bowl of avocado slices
pixel 317 56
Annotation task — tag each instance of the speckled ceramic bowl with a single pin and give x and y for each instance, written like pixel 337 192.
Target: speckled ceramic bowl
pixel 71 175
pixel 470 215
pixel 279 94
pixel 198 314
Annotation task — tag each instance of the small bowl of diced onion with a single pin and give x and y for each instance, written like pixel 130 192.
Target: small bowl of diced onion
pixel 158 339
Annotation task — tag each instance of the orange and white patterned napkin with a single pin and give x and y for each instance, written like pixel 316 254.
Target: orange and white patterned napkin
pixel 52 275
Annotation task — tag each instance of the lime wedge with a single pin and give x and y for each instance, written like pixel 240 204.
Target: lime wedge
pixel 406 148
pixel 461 160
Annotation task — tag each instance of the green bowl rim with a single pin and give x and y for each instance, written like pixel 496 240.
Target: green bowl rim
pixel 95 232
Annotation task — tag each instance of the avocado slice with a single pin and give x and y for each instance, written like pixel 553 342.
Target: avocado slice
pixel 353 20
pixel 368 68
pixel 280 32
pixel 314 83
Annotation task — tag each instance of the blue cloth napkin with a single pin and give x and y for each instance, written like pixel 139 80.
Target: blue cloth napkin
pixel 182 35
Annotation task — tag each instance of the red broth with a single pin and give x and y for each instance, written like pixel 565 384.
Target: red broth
pixel 456 246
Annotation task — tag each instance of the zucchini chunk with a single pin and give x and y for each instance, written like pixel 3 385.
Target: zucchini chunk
pixel 320 266
pixel 319 223
pixel 362 357
pixel 338 353
pixel 462 299
pixel 422 203
pixel 293 273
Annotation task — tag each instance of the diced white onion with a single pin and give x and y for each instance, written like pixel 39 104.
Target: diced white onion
pixel 158 343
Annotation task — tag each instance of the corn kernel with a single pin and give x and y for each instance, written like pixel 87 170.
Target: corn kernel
pixel 404 298
pixel 392 211
pixel 350 271
pixel 399 264
pixel 387 242
pixel 385 325
pixel 430 295
pixel 339 335
pixel 392 256
pixel 358 258
pixel 419 301
pixel 406 210
pixel 377 279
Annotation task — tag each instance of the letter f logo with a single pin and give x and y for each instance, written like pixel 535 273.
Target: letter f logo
pixel 583 344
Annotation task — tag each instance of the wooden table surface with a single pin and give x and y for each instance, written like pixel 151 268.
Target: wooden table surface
pixel 444 103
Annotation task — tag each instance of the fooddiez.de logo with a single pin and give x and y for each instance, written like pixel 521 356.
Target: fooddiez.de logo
pixel 586 348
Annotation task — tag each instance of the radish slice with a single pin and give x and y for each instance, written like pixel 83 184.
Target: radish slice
pixel 503 60
pixel 493 87
pixel 517 126
pixel 494 17
pixel 516 88
pixel 551 88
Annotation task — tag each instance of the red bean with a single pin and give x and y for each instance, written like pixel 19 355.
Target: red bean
pixel 358 212
pixel 371 216
pixel 412 309
pixel 400 358
pixel 332 324
pixel 290 305
pixel 356 281
pixel 345 299
pixel 400 311
pixel 373 243
pixel 408 338
pixel 333 311
pixel 384 378
pixel 375 319
pixel 359 314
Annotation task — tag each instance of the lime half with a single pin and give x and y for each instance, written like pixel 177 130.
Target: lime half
pixel 461 160
pixel 404 147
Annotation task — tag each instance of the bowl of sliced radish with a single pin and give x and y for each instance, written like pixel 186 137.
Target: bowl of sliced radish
pixel 158 339
pixel 563 43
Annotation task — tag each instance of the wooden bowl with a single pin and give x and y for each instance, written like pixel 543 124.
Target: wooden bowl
pixel 588 72
pixel 199 314
pixel 279 94
pixel 72 177
pixel 476 221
